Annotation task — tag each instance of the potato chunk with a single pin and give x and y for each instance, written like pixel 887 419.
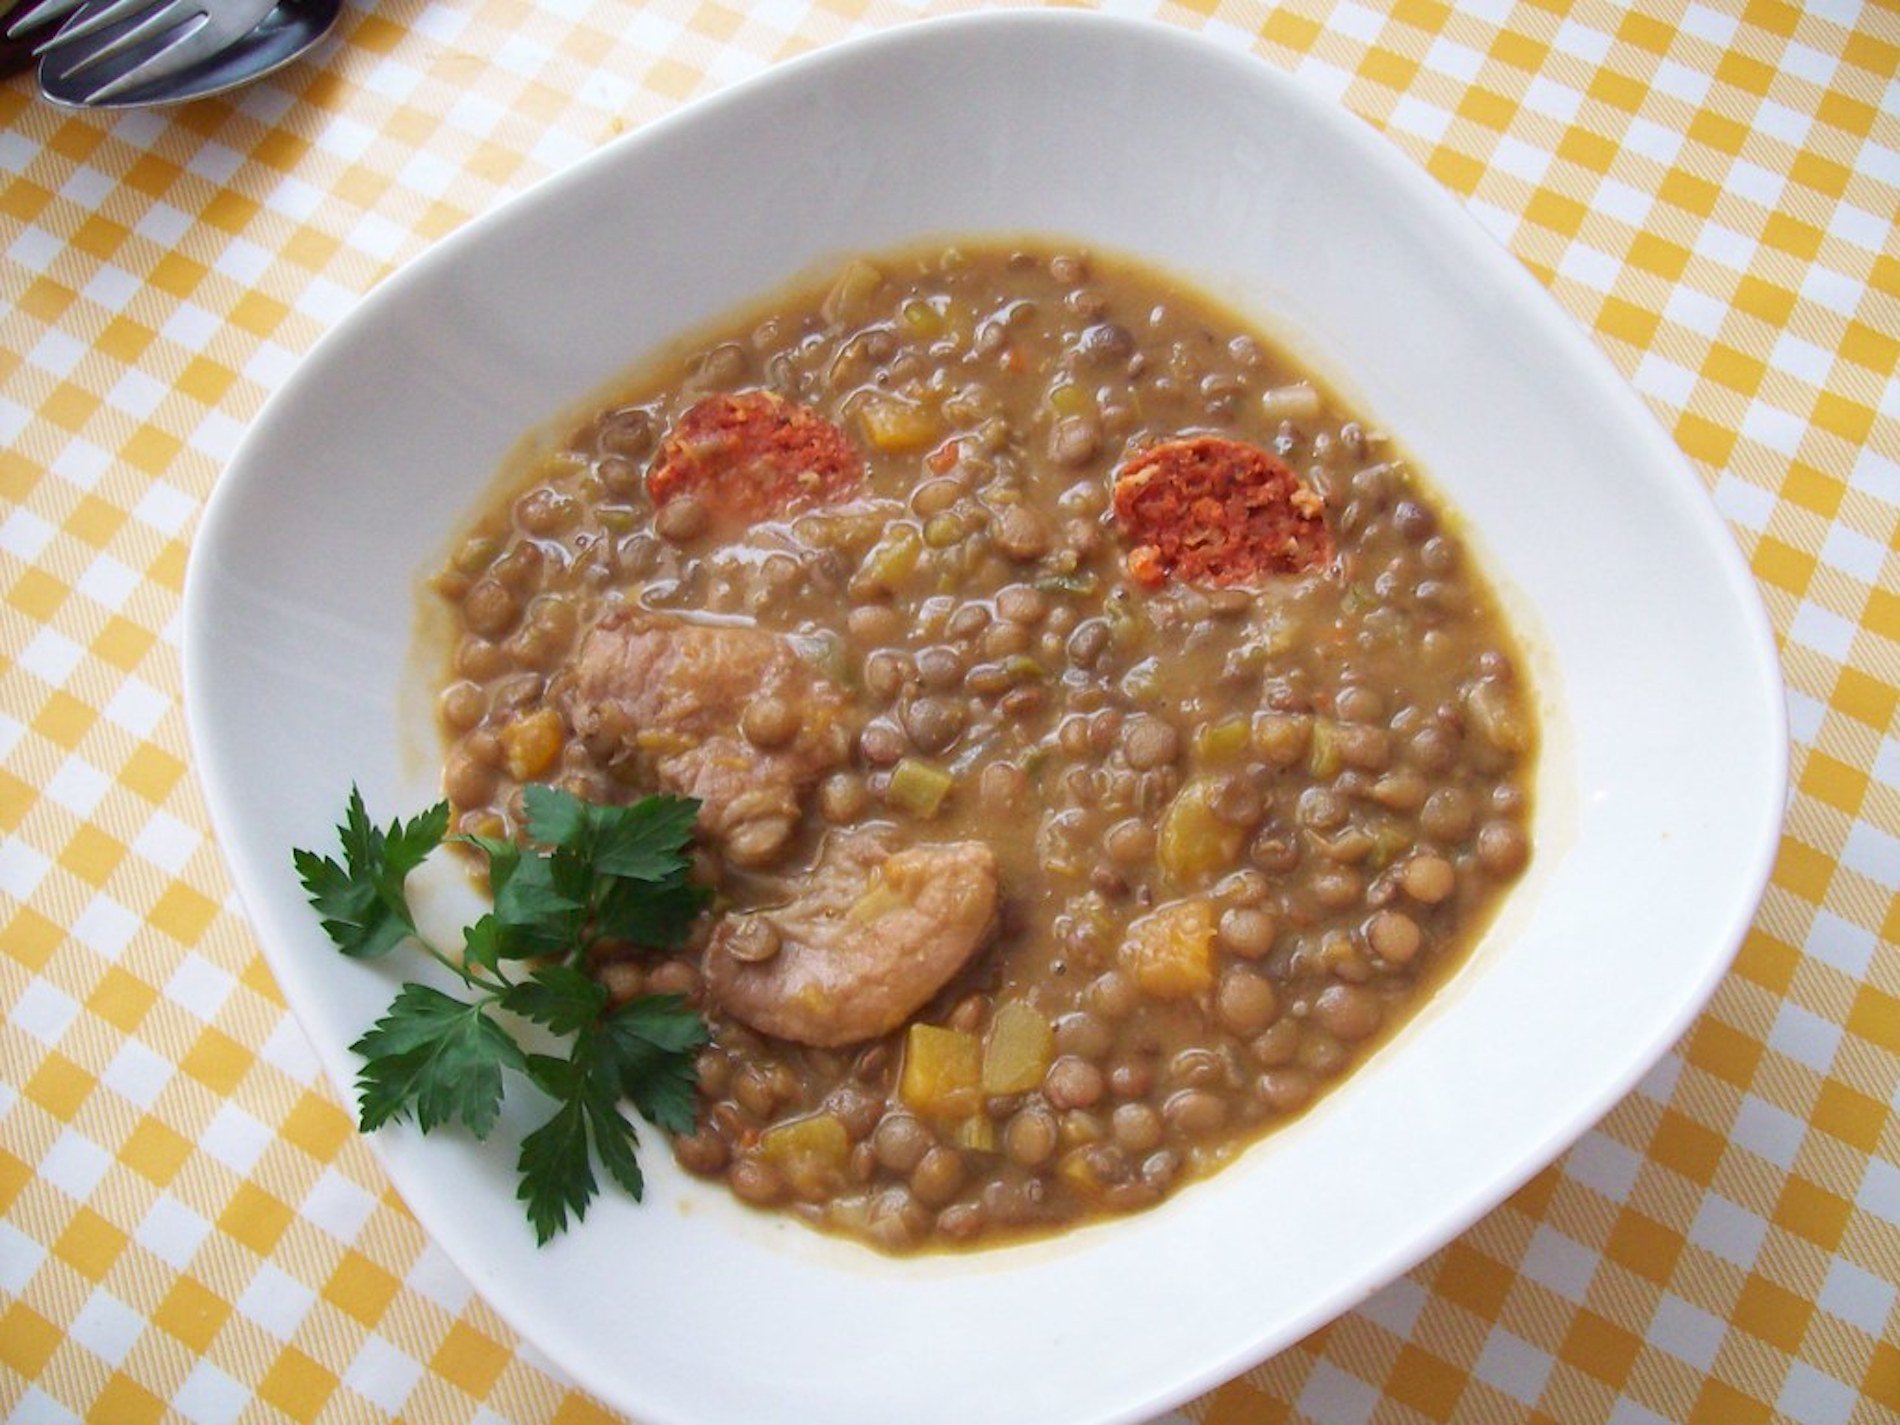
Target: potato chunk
pixel 810 1152
pixel 1194 843
pixel 943 1071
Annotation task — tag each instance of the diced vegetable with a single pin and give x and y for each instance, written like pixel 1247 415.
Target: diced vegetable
pixel 1498 718
pixel 923 319
pixel 942 531
pixel 561 466
pixel 1079 1173
pixel 484 824
pixel 890 561
pixel 1290 403
pixel 879 898
pixel 1083 585
pixel 532 743
pixel 1223 741
pixel 1024 669
pixel 853 291
pixel 1170 953
pixel 943 1071
pixel 1145 682
pixel 827 653
pixel 810 1152
pixel 477 553
pixel 1322 758
pixel 1281 633
pixel 944 458
pixel 1018 1050
pixel 894 425
pixel 1194 843
pixel 1078 1130
pixel 918 788
pixel 1389 842
pixel 1069 400
pixel 977 1133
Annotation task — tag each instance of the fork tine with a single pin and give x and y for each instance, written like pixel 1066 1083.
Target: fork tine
pixel 180 17
pixel 41 14
pixel 87 23
pixel 199 39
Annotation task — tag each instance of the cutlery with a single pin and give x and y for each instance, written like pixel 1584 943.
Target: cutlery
pixel 123 46
pixel 18 21
pixel 29 15
pixel 277 33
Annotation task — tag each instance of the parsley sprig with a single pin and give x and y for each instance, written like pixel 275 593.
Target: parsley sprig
pixel 592 874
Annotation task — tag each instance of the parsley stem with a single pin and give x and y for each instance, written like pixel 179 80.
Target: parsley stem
pixel 461 971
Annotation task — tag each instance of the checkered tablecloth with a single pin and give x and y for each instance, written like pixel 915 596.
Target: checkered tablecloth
pixel 190 1227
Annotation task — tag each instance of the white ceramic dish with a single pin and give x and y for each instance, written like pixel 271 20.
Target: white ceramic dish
pixel 1660 796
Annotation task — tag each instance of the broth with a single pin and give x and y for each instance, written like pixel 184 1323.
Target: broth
pixel 1080 802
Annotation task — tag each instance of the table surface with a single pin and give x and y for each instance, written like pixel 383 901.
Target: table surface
pixel 190 1227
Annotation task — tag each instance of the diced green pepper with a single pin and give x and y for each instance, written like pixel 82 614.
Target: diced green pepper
pixel 923 319
pixel 918 788
pixel 1018 1049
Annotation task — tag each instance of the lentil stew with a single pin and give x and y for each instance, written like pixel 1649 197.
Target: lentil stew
pixel 1103 739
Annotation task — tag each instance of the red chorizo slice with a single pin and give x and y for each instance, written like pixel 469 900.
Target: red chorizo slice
pixel 1208 510
pixel 750 454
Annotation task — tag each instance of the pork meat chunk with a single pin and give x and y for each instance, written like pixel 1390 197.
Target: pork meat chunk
pixel 871 936
pixel 730 715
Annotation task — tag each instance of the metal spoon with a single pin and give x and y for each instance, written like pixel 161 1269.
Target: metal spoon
pixel 282 35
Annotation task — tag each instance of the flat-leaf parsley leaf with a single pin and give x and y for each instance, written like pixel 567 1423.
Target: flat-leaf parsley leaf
pixel 591 874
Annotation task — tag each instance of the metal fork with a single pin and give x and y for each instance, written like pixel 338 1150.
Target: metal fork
pixel 25 18
pixel 134 43
pixel 38 14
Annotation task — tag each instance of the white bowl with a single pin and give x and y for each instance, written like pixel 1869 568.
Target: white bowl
pixel 1659 798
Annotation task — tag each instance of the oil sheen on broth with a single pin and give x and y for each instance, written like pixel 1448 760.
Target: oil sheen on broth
pixel 1104 739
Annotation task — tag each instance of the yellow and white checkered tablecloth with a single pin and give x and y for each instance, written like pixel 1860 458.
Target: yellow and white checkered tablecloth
pixel 189 1226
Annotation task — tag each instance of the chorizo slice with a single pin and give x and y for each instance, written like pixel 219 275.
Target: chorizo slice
pixel 1208 510
pixel 753 454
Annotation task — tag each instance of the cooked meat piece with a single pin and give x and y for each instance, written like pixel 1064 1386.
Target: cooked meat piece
pixel 1209 510
pixel 869 938
pixel 754 454
pixel 732 716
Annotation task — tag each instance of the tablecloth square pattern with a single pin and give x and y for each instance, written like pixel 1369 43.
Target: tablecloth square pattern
pixel 189 1226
